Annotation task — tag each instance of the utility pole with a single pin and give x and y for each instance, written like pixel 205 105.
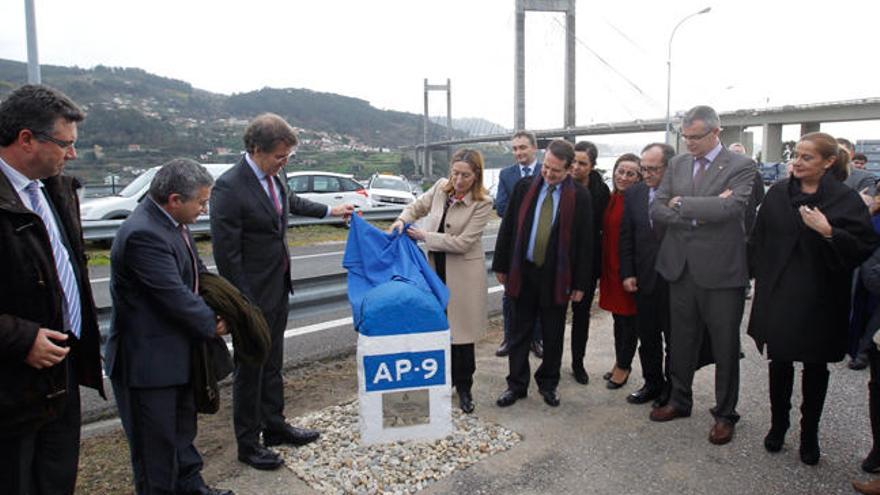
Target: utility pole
pixel 33 57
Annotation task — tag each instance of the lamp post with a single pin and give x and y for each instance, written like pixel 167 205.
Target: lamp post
pixel 669 72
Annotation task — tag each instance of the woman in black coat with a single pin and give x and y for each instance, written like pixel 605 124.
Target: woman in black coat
pixel 810 234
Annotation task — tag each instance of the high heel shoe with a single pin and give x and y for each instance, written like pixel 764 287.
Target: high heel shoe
pixel 466 402
pixel 613 385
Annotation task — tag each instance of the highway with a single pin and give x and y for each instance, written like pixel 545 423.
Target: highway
pixel 320 325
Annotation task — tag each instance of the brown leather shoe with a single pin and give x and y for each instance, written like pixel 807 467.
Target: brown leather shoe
pixel 721 432
pixel 868 488
pixel 667 413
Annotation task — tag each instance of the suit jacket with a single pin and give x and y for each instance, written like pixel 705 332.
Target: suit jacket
pixel 31 297
pixel 639 242
pixel 156 315
pixel 860 179
pixel 580 251
pixel 706 233
pixel 461 240
pixel 507 179
pixel 250 243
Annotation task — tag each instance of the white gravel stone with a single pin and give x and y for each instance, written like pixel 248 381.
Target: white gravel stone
pixel 337 463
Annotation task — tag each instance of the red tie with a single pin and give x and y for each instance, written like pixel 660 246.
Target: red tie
pixel 272 194
pixel 192 257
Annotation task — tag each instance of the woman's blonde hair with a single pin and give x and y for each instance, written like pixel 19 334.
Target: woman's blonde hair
pixel 475 159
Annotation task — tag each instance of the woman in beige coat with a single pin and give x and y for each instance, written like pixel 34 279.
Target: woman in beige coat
pixel 456 210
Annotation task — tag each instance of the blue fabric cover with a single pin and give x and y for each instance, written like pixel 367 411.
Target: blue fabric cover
pixel 391 287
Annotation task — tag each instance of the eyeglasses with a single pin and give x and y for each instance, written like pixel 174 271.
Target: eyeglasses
pixel 42 136
pixel 652 169
pixel 696 137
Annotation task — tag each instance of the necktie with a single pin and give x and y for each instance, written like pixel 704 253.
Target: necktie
pixel 275 202
pixel 545 222
pixel 66 275
pixel 527 171
pixel 701 165
pixel 192 257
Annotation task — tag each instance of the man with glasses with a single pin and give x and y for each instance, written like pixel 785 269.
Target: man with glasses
pixel 525 152
pixel 49 338
pixel 701 203
pixel 639 242
pixel 583 172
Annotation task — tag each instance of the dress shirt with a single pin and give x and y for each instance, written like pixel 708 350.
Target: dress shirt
pixel 710 156
pixel 532 171
pixel 261 178
pixel 541 195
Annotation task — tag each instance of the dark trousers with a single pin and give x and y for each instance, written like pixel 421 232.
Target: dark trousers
pixel 463 366
pixel 580 327
pixel 258 391
pixel 652 324
pixel 814 385
pixel 507 313
pixel 694 312
pixel 874 396
pixel 625 340
pixel 527 310
pixel 160 424
pixel 45 462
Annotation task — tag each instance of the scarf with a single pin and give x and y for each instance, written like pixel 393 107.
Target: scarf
pixel 565 219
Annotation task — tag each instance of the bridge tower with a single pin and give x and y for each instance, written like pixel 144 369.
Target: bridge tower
pixel 519 87
pixel 426 167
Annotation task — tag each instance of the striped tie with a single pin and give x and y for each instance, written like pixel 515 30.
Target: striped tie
pixel 62 261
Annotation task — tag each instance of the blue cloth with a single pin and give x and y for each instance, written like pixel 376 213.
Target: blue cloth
pixel 373 258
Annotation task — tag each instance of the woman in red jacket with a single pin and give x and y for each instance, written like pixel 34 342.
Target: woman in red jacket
pixel 612 296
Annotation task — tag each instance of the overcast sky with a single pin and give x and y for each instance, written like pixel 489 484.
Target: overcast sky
pixel 743 54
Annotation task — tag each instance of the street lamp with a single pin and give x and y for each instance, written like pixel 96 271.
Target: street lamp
pixel 669 72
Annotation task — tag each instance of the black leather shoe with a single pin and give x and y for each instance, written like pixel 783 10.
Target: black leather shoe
pixel 503 349
pixel 580 376
pixel 859 362
pixel 261 458
pixel 538 348
pixel 290 435
pixel 207 490
pixel 644 394
pixel 465 402
pixel 509 397
pixel 871 464
pixel 551 397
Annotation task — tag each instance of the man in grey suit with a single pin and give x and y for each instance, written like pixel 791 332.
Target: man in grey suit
pixel 249 209
pixel 701 202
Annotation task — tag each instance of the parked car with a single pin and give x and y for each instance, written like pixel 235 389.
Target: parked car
pixel 388 190
pixel 120 205
pixel 329 188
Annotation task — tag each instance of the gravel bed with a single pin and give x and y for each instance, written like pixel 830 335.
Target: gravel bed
pixel 337 463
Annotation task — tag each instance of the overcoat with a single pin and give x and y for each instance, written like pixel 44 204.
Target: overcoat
pixel 31 297
pixel 802 281
pixel 465 260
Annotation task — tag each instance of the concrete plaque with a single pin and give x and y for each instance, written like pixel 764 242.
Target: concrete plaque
pixel 406 408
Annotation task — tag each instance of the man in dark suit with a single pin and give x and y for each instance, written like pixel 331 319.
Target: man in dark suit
pixel 525 151
pixel 157 317
pixel 543 257
pixel 701 203
pixel 49 339
pixel 639 243
pixel 249 209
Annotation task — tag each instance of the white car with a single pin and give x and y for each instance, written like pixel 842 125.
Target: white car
pixel 329 188
pixel 390 190
pixel 120 205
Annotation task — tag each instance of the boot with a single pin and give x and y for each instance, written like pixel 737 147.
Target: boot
pixel 815 385
pixel 781 379
pixel 871 464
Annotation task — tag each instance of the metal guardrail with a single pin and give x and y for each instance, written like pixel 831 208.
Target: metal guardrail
pixel 102 230
pixel 312 296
